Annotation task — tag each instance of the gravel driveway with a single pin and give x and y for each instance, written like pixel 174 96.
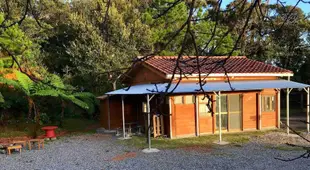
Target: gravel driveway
pixel 96 151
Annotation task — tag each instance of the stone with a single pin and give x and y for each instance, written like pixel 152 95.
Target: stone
pixel 150 150
pixel 105 131
pixel 122 138
pixel 2 151
pixel 221 142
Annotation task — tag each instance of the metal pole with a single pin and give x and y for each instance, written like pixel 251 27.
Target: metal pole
pixel 109 121
pixel 308 98
pixel 220 119
pixel 148 120
pixel 279 107
pixel 287 111
pixel 123 116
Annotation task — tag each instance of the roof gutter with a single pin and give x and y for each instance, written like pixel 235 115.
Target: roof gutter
pixel 168 76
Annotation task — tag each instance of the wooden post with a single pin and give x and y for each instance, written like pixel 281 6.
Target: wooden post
pixel 162 128
pixel 220 119
pixel 279 107
pixel 170 117
pixel 197 115
pixel 158 124
pixel 154 126
pixel 109 121
pixel 259 111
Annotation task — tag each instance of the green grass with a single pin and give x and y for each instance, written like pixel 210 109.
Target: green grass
pixel 285 148
pixel 78 125
pixel 235 139
pixel 17 129
pixel 73 126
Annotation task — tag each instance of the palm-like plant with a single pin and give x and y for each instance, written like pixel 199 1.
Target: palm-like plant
pixel 52 86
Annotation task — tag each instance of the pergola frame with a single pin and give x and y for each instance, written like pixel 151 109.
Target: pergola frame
pixel 218 94
pixel 308 100
pixel 216 88
pixel 148 99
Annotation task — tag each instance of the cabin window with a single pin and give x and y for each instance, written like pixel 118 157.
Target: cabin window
pixel 178 99
pixel 204 106
pixel 268 103
pixel 189 99
pixel 231 112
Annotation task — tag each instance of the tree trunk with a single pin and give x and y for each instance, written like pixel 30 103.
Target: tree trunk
pixel 62 114
pixel 30 106
pixel 37 120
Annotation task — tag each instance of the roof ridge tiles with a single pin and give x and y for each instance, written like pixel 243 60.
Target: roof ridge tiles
pixel 235 65
pixel 174 57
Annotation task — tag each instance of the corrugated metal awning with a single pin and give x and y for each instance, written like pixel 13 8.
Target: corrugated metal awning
pixel 208 87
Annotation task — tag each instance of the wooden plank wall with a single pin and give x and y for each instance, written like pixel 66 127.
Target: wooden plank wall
pixel 249 111
pixel 183 119
pixel 206 123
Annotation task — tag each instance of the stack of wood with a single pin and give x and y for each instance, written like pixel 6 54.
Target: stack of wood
pixel 158 125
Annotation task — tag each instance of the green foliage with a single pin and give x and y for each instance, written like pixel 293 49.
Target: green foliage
pixel 24 82
pixel 1 98
pixel 73 44
pixel 54 89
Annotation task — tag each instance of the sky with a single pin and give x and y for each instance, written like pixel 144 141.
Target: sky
pixel 303 6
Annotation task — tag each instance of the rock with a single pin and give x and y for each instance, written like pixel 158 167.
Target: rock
pixel 2 151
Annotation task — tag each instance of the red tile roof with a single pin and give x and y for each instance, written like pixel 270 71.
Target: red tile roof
pixel 233 64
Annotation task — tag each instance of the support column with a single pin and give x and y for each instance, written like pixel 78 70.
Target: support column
pixel 219 102
pixel 259 111
pixel 197 115
pixel 123 118
pixel 279 107
pixel 148 120
pixel 288 90
pixel 220 117
pixel 170 117
pixel 109 118
pixel 308 98
pixel 149 149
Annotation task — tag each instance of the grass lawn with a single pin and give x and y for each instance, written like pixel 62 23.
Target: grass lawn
pixel 236 139
pixel 70 125
pixel 285 148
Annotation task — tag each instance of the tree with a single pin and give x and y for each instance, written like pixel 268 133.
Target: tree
pixel 30 90
pixel 83 48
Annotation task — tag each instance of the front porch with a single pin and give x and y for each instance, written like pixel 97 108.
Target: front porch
pixel 143 96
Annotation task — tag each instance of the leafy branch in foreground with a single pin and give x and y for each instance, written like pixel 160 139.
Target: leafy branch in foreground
pixel 30 90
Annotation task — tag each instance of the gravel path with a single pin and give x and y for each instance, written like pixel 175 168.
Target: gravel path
pixel 103 152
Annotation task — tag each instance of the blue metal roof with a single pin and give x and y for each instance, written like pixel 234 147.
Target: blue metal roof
pixel 208 87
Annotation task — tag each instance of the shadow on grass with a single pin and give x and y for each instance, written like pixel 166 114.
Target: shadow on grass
pixel 235 139
pixel 71 126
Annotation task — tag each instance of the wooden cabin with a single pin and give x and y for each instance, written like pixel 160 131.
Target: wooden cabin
pixel 244 95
